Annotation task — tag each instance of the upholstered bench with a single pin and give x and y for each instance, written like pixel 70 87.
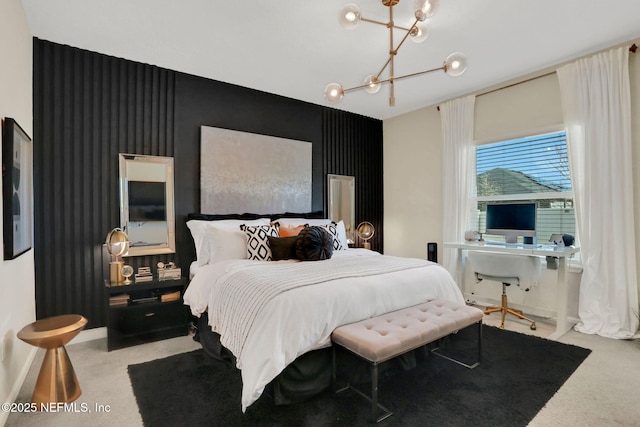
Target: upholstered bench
pixel 384 337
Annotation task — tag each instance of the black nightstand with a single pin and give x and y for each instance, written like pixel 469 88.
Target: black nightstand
pixel 142 312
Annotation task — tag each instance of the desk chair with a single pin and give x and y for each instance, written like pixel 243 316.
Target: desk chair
pixel 519 270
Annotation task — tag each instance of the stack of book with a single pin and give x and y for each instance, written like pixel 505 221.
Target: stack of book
pixel 144 275
pixel 119 300
pixel 173 296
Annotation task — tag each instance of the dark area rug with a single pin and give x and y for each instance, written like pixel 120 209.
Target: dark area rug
pixel 518 375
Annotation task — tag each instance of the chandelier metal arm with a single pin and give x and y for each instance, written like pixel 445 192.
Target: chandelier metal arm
pixel 406 76
pixel 395 51
pixel 406 35
pixel 385 24
pixel 373 21
pixel 386 64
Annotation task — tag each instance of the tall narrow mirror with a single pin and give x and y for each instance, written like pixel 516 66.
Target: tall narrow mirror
pixel 146 203
pixel 341 201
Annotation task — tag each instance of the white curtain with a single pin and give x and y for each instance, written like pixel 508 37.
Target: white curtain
pixel 459 171
pixel 596 106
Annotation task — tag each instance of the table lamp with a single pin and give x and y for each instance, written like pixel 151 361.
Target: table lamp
pixel 117 244
pixel 365 231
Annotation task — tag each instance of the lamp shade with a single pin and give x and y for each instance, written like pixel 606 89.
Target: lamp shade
pixel 365 231
pixel 117 242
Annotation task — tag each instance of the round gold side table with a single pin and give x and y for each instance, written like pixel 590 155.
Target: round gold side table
pixel 57 380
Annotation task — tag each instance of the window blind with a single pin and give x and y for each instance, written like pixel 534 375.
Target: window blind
pixel 536 164
pixel 534 168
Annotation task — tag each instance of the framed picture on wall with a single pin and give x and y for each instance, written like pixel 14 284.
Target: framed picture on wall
pixel 17 189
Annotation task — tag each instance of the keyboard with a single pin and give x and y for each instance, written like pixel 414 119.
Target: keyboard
pixel 512 245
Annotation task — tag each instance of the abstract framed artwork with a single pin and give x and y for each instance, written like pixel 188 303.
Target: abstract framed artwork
pixel 246 172
pixel 17 189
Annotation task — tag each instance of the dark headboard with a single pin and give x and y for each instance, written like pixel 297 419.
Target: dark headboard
pixel 251 216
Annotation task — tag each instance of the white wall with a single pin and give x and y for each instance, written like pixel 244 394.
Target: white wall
pixel 412 157
pixel 17 284
pixel 413 170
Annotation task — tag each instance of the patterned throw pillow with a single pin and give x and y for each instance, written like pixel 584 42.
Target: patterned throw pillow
pixel 257 241
pixel 333 230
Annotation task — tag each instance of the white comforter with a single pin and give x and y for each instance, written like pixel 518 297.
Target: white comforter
pixel 302 319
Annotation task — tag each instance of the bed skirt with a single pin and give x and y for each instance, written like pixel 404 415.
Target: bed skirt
pixel 304 378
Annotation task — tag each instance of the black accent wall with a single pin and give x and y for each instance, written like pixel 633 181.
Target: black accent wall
pixel 89 107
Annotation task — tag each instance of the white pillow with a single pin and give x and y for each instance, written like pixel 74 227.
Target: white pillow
pixel 198 228
pixel 220 244
pixel 294 222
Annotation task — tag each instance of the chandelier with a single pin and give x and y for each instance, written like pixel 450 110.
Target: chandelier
pixel 350 17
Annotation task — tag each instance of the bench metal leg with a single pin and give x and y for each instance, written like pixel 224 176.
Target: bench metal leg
pixel 334 373
pixel 334 369
pixel 374 398
pixel 374 390
pixel 459 362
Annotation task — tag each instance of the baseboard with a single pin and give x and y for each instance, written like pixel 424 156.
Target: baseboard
pixel 89 335
pixel 17 385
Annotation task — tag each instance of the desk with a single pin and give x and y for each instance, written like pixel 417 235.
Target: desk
pixel 560 252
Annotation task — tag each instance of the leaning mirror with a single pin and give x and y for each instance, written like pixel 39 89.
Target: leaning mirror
pixel 341 201
pixel 146 204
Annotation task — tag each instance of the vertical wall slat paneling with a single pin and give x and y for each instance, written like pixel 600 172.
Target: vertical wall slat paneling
pixel 353 146
pixel 87 109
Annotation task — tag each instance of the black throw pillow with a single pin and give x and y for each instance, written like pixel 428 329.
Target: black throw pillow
pixel 282 247
pixel 314 244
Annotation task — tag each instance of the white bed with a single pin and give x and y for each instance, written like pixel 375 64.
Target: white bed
pixel 296 320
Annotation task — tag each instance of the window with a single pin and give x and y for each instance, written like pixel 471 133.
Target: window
pixel 528 169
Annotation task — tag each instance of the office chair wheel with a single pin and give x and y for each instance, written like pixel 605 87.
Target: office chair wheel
pixel 533 326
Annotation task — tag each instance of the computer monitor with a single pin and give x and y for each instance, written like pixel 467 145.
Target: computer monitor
pixel 511 220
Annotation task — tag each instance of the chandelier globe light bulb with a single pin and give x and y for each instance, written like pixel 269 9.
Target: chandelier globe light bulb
pixel 372 84
pixel 419 33
pixel 455 64
pixel 350 16
pixel 424 9
pixel 333 93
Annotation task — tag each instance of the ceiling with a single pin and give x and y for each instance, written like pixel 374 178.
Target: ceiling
pixel 295 48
